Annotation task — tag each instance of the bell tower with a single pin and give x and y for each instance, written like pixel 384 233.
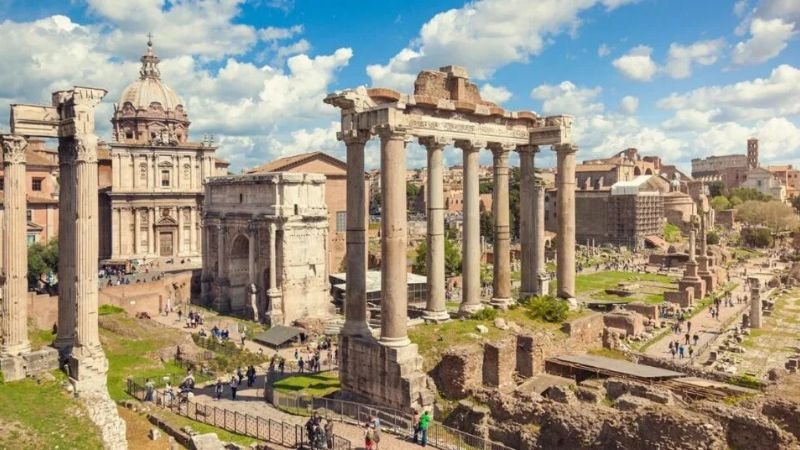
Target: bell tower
pixel 752 153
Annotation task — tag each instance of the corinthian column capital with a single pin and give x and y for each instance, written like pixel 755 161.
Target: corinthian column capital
pixel 391 132
pixel 528 148
pixel 565 148
pixel 85 148
pixel 434 142
pixel 469 145
pixel 14 149
pixel 500 150
pixel 350 137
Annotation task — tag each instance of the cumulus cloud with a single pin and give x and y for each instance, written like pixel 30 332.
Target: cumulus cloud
pixel 629 104
pixel 567 98
pixel 257 110
pixel 761 98
pixel 483 36
pixel 767 39
pixel 637 64
pixel 681 58
pixel 496 94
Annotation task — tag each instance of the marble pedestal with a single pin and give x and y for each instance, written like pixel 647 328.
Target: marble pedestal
pixel 27 364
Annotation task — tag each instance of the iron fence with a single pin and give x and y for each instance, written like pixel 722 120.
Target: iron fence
pixel 392 421
pixel 261 428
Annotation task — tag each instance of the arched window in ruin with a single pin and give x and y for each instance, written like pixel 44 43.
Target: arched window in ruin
pixel 240 247
pixel 637 171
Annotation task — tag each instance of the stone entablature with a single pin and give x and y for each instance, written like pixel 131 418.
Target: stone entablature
pixel 265 239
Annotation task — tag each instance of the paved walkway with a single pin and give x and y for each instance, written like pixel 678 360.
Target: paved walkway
pixel 707 328
pixel 251 401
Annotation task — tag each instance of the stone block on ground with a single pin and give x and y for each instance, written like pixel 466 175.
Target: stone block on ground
pixel 154 434
pixel 628 402
pixel 207 441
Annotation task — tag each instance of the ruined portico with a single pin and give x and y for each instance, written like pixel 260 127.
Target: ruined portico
pixel 445 109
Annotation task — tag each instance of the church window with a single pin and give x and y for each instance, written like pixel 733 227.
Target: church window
pixel 341 221
pixel 165 178
pixel 36 184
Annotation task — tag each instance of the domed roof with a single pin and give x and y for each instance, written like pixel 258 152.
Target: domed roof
pixel 149 88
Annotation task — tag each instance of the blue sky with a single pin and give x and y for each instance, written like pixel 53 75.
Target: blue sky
pixel 677 78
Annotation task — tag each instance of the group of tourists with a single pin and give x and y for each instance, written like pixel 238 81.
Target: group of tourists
pixel 372 433
pixel 319 432
pixel 420 425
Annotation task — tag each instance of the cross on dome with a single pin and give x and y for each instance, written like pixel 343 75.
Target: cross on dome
pixel 149 61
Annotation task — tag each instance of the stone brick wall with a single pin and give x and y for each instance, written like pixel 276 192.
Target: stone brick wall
pixel 631 322
pixel 459 371
pixel 499 363
pixel 648 311
pixel 584 332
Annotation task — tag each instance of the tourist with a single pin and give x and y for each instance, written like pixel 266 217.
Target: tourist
pixel 218 389
pixel 149 390
pixel 369 437
pixel 301 363
pixel 423 427
pixel 376 423
pixel 282 364
pixel 687 336
pixel 240 374
pixel 251 376
pixel 415 418
pixel 691 351
pixel 695 338
pixel 680 351
pixel 180 315
pixel 234 386
pixel 689 326
pixel 329 432
pixel 672 350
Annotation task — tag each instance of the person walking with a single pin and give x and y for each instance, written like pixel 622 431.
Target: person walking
pixel 424 421
pixel 149 388
pixel 680 351
pixel 689 326
pixel 369 437
pixel 695 338
pixel 687 336
pixel 329 432
pixel 691 351
pixel 218 388
pixel 234 386
pixel 415 419
pixel 376 423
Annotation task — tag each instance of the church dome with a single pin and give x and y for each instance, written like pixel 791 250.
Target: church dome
pixel 149 90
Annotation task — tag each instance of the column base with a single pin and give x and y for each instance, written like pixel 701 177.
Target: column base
pixel 394 341
pixel 543 284
pixel 435 316
pixel 356 328
pixel 29 363
pixel 15 350
pixel 88 368
pixel 469 309
pixel 501 303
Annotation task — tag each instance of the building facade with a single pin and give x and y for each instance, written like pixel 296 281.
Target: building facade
pixel 265 239
pixel 153 206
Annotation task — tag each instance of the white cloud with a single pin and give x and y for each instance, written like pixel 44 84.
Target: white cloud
pixel 779 139
pixel 637 64
pixel 603 51
pixel 761 98
pixel 690 120
pixel 629 104
pixel 739 8
pixel 483 36
pixel 566 98
pixel 768 39
pixel 681 58
pixel 496 94
pixel 277 33
pixel 258 111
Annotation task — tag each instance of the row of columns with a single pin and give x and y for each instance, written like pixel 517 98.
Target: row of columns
pixel 394 230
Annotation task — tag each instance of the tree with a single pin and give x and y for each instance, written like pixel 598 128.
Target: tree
pixel 716 188
pixel 757 237
pixel 452 258
pixel 486 187
pixel 749 194
pixel 774 215
pixel 412 192
pixel 720 203
pixel 487 226
pixel 42 260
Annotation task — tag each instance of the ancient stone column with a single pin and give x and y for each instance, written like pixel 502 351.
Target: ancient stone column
pixel 14 318
pixel 502 228
pixel 542 282
pixel 65 337
pixel 356 321
pixel 394 275
pixel 527 207
pixel 471 256
pixel 565 262
pixel 692 245
pixel 755 304
pixel 436 307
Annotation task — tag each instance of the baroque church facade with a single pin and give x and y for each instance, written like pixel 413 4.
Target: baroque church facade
pixel 153 208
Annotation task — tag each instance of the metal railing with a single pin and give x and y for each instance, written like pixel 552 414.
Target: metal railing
pixel 391 420
pixel 261 428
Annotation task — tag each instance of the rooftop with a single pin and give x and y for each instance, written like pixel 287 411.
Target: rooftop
pixel 617 366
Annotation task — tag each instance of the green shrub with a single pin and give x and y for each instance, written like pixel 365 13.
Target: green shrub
pixel 547 308
pixel 712 238
pixel 672 233
pixel 107 310
pixel 756 237
pixel 485 314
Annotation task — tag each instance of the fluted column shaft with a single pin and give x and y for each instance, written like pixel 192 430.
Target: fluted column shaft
pixel 502 228
pixel 539 265
pixel 692 246
pixel 394 275
pixel 273 260
pixel 471 257
pixel 436 306
pixel 65 337
pixel 15 251
pixel 86 244
pixel 526 219
pixel 565 160
pixel 356 323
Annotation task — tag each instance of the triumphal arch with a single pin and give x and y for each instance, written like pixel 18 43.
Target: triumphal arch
pixel 445 109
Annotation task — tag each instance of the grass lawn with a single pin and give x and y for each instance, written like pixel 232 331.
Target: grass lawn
pixel 317 385
pixel 651 286
pixel 40 338
pixel 42 415
pixel 131 347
